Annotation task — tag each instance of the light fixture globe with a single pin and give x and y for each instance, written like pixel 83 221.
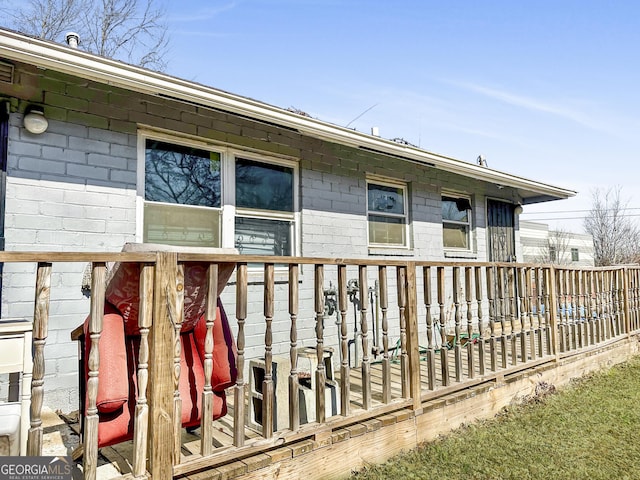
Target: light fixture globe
pixel 34 121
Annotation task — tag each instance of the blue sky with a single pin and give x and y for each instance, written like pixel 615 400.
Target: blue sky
pixel 543 89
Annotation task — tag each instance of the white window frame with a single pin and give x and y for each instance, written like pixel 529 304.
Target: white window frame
pixel 387 182
pixel 228 155
pixel 468 224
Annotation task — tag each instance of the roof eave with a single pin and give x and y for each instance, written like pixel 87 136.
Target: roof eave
pixel 18 47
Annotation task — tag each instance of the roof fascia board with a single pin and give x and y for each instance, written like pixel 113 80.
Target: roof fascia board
pixel 61 58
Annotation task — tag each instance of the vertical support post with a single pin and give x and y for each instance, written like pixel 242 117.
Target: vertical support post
pixel 240 388
pixel 384 305
pixel 431 353
pixel 345 369
pixel 468 293
pixel 320 373
pixel 177 352
pixel 413 349
pixel 161 366
pixel 294 383
pixel 141 426
pixel 444 353
pixel 481 339
pixel 522 273
pixel 401 283
pixel 552 309
pixel 457 347
pixel 206 443
pixel 40 332
pixel 491 285
pixel 364 329
pixel 90 458
pixel 513 313
pixel 267 383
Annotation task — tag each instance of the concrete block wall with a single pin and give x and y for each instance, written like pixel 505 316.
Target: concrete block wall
pixel 73 188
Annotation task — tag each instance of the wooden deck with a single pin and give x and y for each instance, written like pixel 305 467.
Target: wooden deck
pixel 495 321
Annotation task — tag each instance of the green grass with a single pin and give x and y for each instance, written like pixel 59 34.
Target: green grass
pixel 589 430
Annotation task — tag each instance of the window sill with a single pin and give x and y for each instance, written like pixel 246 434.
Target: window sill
pixel 462 254
pixel 391 252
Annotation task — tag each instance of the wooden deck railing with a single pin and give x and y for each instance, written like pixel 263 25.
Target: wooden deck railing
pixel 325 343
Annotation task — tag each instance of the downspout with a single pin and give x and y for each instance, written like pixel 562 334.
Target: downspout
pixel 4 148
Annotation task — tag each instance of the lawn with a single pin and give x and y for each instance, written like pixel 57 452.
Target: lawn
pixel 588 430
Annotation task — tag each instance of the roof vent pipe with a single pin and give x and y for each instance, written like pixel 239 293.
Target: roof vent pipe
pixel 375 131
pixel 73 39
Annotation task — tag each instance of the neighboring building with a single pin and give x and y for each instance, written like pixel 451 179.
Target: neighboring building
pixel 131 155
pixel 541 245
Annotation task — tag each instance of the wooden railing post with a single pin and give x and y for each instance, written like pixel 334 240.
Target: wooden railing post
pixel 241 387
pixel 345 369
pixel 294 383
pixel 206 444
pixel 320 373
pixel 552 308
pixel 161 366
pixel 40 329
pixel 625 300
pixel 90 459
pixel 268 388
pixel 364 330
pixel 141 426
pixel 413 348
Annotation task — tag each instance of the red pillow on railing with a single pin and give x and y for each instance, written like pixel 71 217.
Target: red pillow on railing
pixel 225 371
pixel 123 291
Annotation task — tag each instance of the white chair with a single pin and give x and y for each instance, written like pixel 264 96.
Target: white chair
pixel 15 360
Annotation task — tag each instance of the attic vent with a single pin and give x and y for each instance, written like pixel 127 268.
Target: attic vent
pixel 6 72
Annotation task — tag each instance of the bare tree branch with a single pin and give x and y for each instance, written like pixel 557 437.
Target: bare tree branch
pixel 134 31
pixel 615 236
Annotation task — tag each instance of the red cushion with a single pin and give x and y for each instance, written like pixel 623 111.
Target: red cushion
pixel 225 371
pixel 124 286
pixel 117 387
pixel 113 388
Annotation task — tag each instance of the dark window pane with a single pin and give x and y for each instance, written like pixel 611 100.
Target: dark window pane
pixel 258 236
pixel 455 209
pixel 384 199
pixel 182 175
pixel 264 186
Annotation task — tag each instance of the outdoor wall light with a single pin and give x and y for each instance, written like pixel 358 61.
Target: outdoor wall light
pixel 518 210
pixel 34 120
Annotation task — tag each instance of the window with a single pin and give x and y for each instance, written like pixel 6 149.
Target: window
pixel 197 196
pixel 387 214
pixel 553 253
pixel 575 256
pixel 182 195
pixel 264 208
pixel 456 222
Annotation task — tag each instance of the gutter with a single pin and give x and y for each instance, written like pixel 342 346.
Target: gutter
pixel 18 47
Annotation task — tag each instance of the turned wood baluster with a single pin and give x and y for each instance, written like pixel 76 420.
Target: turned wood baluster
pixel 539 302
pixel 40 332
pixel 444 357
pixel 321 374
pixel 206 428
pixel 240 387
pixel 294 383
pixel 267 383
pixel 457 348
pixel 384 305
pixel 364 329
pixel 513 313
pixel 481 339
pixel 401 279
pixel 90 458
pixel 468 289
pixel 529 279
pixel 503 307
pixel 431 353
pixel 177 315
pixel 522 274
pixel 491 286
pixel 141 426
pixel 345 368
